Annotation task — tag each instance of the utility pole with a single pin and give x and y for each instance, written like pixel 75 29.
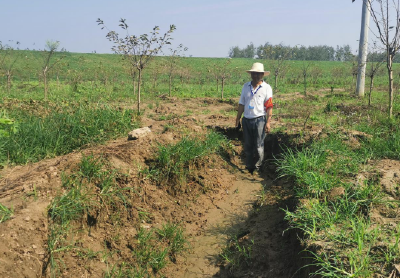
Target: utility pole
pixel 363 48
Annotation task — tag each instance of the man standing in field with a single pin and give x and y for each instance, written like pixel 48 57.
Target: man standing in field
pixel 256 106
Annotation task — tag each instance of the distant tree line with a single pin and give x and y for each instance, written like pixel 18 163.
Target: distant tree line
pixel 303 53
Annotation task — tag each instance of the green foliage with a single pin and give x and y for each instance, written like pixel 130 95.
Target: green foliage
pixel 126 270
pixel 341 220
pixel 151 251
pixel 62 132
pixel 173 162
pixel 102 77
pixel 237 253
pixel 91 167
pixel 7 126
pixel 385 140
pixel 330 107
pixel 173 235
pixel 146 254
pixel 69 206
pixel 5 213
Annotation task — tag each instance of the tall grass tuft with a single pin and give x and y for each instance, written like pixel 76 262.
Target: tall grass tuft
pixel 62 132
pixel 385 141
pixel 173 162
pixel 338 225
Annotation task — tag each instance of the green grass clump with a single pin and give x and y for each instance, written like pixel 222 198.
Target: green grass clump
pixel 79 199
pixel 64 209
pixel 173 235
pixel 62 132
pixel 94 170
pixel 385 141
pixel 237 253
pixel 173 162
pixel 321 166
pixel 126 270
pixel 152 251
pixel 5 213
pixel 7 125
pixel 69 206
pixel 347 243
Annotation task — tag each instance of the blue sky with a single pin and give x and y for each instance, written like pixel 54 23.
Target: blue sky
pixel 207 27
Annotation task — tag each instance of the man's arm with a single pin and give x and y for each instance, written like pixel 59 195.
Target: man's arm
pixel 269 118
pixel 239 114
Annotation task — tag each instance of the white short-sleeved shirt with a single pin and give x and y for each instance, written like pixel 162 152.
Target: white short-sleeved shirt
pixel 253 100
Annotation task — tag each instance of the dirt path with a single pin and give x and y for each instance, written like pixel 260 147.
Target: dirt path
pixel 223 221
pixel 253 214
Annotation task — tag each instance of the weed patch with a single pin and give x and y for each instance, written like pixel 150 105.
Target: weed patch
pixel 385 141
pixel 334 212
pixel 61 132
pixel 5 213
pixel 151 251
pixel 174 162
pixel 237 253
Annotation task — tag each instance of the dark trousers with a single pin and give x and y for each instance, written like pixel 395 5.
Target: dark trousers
pixel 254 135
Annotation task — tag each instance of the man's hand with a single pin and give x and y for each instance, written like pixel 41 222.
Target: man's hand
pixel 238 126
pixel 239 115
pixel 267 127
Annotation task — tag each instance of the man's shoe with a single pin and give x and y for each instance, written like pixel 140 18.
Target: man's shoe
pixel 251 170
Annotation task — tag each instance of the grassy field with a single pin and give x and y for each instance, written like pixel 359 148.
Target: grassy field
pixel 106 77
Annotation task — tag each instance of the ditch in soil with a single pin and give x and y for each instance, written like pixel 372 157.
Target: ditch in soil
pixel 275 251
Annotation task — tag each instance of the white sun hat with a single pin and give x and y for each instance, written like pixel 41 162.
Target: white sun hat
pixel 258 67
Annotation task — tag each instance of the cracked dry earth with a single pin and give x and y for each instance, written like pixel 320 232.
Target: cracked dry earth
pixel 231 207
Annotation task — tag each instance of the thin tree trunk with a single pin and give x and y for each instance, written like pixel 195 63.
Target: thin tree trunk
pixel 370 91
pixel 222 90
pixel 155 81
pixel 170 84
pixel 389 61
pixel 134 84
pixel 305 84
pixel 390 89
pixel 45 84
pixel 8 81
pixel 139 84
